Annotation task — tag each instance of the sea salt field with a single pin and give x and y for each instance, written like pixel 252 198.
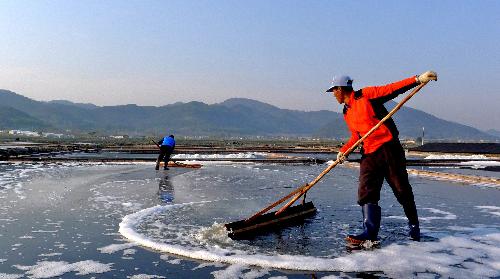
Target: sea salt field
pixel 95 220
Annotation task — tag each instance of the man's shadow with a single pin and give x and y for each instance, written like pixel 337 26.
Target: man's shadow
pixel 166 190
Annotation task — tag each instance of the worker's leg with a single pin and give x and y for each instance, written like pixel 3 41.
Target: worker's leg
pixel 397 177
pixel 160 158
pixel 370 183
pixel 168 152
pixel 370 178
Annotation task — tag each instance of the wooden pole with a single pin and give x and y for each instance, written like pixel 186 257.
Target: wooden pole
pixel 155 143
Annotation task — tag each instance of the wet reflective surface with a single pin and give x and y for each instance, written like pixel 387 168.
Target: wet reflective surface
pixel 64 214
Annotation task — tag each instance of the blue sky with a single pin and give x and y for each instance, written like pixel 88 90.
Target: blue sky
pixel 280 52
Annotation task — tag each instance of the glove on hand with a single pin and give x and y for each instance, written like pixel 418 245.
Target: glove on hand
pixel 427 76
pixel 340 157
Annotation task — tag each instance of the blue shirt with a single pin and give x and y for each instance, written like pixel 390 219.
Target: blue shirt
pixel 168 141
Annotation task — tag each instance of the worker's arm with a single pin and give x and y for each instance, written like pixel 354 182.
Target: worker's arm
pixel 392 89
pixel 160 142
pixel 354 138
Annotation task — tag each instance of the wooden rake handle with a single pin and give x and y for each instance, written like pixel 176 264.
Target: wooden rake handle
pixel 155 143
pixel 303 189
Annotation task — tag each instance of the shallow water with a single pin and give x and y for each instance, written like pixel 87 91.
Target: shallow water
pixel 101 220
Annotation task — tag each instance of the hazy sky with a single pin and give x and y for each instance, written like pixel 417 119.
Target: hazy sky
pixel 280 52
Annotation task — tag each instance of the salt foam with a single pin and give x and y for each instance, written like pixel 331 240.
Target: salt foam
pixel 448 255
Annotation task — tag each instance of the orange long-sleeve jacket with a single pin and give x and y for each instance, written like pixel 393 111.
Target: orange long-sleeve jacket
pixel 365 109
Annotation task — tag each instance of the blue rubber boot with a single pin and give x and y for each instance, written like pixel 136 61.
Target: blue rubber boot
pixel 414 231
pixel 371 224
pixel 413 225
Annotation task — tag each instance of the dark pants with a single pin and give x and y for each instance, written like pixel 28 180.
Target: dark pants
pixel 165 152
pixel 387 162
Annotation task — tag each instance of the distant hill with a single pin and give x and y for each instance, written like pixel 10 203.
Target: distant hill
pixel 68 103
pixel 233 117
pixel 275 121
pixel 13 119
pixel 410 122
pixel 58 116
pixel 492 132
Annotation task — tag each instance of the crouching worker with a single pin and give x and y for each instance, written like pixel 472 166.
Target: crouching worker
pixel 167 145
pixel 382 153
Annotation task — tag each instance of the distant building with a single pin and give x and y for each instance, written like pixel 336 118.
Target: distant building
pixel 24 133
pixel 52 135
pixel 119 137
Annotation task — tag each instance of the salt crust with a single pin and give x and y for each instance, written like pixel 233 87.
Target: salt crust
pixel 47 269
pixel 145 276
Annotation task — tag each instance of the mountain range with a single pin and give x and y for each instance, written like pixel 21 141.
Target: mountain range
pixel 233 117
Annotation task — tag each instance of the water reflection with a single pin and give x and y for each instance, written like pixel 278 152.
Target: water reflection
pixel 166 190
pixel 293 239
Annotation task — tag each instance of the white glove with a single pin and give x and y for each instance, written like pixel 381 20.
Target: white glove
pixel 427 76
pixel 340 157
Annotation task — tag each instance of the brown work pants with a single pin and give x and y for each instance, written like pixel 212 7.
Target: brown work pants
pixel 387 162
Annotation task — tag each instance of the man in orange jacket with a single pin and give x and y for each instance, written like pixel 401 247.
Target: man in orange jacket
pixel 382 153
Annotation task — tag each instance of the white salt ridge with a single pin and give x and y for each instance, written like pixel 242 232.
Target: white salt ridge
pixel 480 164
pixel 494 210
pixel 246 155
pixel 43 231
pixel 128 252
pixel 48 269
pixel 50 255
pixel 113 248
pixel 237 271
pixel 445 256
pixel 175 261
pixel 10 276
pixel 445 215
pixel 455 157
pixel 145 276
pixel 203 265
pixel 422 218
